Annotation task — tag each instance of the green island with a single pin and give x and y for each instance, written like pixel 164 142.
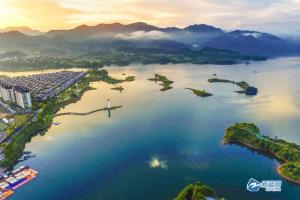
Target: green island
pixel 197 191
pixel 45 112
pixel 129 78
pixel 249 135
pixel 200 93
pixel 119 88
pixel 102 75
pixel 164 81
pixel 246 88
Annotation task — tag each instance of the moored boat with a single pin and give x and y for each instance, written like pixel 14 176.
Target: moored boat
pixel 14 180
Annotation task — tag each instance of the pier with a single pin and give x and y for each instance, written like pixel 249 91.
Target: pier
pixel 87 113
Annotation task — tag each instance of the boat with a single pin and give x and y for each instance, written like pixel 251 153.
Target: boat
pixel 57 123
pixel 18 177
pixel 5 194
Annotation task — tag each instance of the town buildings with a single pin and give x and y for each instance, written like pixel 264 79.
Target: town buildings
pixel 22 96
pixel 15 94
pixel 19 90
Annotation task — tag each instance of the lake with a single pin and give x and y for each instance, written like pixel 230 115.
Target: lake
pixel 158 142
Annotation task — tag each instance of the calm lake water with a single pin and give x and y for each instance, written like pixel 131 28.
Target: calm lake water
pixel 161 141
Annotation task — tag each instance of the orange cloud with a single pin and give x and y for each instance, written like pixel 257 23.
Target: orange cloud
pixel 277 15
pixel 42 14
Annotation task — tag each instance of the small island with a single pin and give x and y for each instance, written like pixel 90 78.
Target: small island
pixel 249 135
pixel 119 88
pixel 200 93
pixel 197 191
pixel 102 75
pixel 164 81
pixel 246 88
pixel 129 78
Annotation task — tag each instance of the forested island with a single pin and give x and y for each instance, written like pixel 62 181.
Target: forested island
pixel 197 191
pixel 163 81
pixel 200 93
pixel 246 88
pixel 249 135
pixel 13 150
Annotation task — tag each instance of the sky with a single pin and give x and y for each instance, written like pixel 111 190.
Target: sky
pixel 275 16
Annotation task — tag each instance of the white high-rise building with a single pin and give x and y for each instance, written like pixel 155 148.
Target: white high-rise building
pixel 23 98
pixel 5 92
pixel 12 95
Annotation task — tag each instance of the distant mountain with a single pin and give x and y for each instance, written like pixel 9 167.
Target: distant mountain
pixel 111 30
pixel 266 37
pixel 84 38
pixel 14 40
pixel 12 54
pixel 101 30
pixel 253 42
pixel 165 44
pixel 23 29
pixel 203 28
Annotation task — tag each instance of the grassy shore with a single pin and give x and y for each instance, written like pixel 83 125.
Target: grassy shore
pixel 197 191
pixel 246 88
pixel 163 81
pixel 200 93
pixel 249 135
pixel 13 151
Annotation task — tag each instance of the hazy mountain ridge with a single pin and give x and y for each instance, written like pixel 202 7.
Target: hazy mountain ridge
pixel 13 54
pixel 85 38
pixel 23 29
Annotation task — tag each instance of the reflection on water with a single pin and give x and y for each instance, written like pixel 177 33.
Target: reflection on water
pixel 155 162
pixel 297 99
pixel 125 156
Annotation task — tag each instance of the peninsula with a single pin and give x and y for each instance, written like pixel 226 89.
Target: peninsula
pixel 246 88
pixel 164 81
pixel 200 93
pixel 44 111
pixel 197 191
pixel 249 135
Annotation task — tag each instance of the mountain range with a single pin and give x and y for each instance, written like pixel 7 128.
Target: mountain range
pixel 23 29
pixel 84 39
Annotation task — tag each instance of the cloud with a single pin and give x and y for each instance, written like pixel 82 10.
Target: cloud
pixel 281 16
pixel 269 15
pixel 42 14
pixel 143 35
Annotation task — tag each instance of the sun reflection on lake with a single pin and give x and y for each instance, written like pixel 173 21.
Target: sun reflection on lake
pixel 155 162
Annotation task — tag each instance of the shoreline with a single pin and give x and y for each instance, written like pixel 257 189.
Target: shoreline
pixel 14 149
pixel 254 148
pixel 44 127
pixel 251 147
pixel 285 177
